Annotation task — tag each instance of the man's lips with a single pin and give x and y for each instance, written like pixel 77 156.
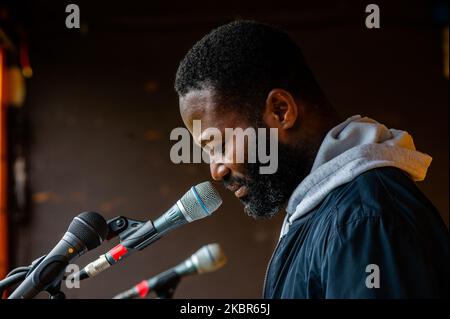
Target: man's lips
pixel 241 192
pixel 238 190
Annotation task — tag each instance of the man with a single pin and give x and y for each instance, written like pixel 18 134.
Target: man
pixel 356 225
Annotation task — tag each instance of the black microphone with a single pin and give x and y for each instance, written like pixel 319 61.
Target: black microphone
pixel 86 231
pixel 207 259
pixel 199 202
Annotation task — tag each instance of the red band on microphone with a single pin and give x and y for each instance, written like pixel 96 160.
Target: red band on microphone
pixel 117 252
pixel 142 288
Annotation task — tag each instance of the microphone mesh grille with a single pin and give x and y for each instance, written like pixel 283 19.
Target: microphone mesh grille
pixel 209 258
pixel 201 200
pixel 93 232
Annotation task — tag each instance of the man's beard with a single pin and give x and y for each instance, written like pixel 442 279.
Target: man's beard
pixel 267 193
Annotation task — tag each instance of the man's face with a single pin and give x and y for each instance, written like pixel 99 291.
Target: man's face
pixel 262 194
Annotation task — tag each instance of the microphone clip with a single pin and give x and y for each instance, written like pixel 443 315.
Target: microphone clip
pixel 123 227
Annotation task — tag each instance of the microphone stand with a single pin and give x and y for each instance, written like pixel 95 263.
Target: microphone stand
pixel 55 292
pixel 19 274
pixel 12 280
pixel 119 226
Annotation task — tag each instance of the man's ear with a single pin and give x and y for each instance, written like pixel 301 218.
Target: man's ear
pixel 281 109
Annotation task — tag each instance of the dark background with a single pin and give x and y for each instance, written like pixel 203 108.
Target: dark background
pixel 101 107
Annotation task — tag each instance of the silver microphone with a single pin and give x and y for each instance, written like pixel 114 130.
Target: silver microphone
pixel 207 259
pixel 199 202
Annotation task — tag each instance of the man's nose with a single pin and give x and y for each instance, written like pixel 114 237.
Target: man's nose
pixel 218 170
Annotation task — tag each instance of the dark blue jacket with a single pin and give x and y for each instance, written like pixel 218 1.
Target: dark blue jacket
pixel 380 224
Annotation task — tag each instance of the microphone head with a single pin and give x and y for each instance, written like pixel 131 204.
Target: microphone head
pixel 209 258
pixel 201 200
pixel 90 227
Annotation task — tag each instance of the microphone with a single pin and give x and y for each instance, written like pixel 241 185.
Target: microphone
pixel 207 259
pixel 86 231
pixel 199 202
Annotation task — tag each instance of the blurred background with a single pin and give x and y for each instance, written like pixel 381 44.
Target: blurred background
pixel 86 116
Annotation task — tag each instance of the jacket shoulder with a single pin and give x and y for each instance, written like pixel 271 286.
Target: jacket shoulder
pixel 377 193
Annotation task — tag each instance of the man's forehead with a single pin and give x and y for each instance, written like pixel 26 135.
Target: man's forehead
pixel 201 105
pixel 196 104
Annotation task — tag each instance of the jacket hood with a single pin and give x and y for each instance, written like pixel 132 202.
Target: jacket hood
pixel 351 148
